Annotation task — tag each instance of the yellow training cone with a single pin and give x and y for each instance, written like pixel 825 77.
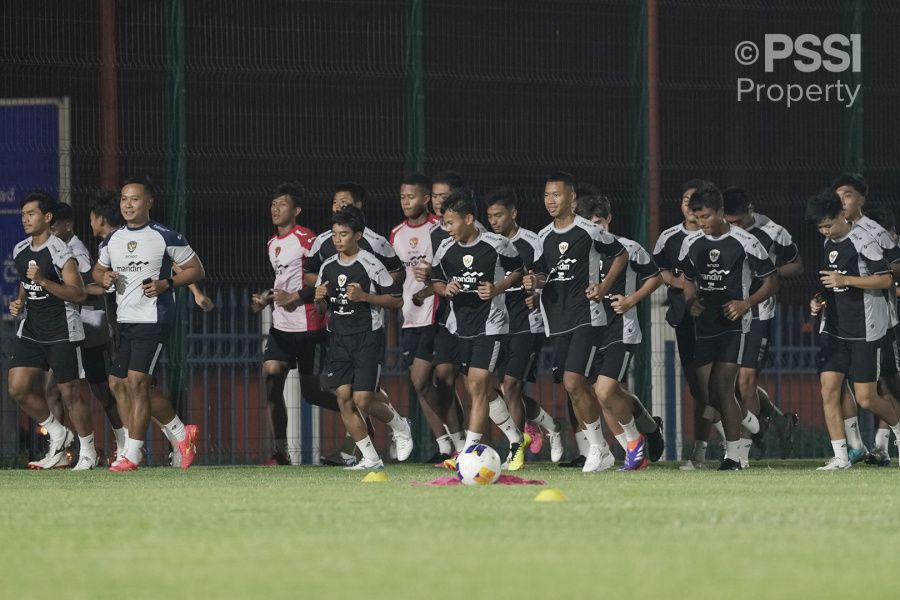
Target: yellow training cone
pixel 550 496
pixel 375 477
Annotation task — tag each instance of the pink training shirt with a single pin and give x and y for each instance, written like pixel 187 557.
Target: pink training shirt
pixel 287 253
pixel 412 243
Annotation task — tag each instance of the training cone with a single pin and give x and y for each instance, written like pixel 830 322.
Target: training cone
pixel 550 496
pixel 375 477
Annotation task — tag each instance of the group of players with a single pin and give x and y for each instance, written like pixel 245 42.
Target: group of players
pixel 476 305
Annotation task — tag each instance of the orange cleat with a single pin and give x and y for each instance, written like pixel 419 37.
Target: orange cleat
pixel 123 464
pixel 188 446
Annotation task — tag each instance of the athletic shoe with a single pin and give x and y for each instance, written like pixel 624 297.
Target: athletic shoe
pixel 598 459
pixel 338 459
pixel 392 449
pixel 365 465
pixel 836 464
pixel 439 457
pixel 745 464
pixel 404 441
pixel 636 456
pixel 879 457
pixel 656 445
pixel 730 465
pixel 693 465
pixel 449 463
pixel 556 446
pixel 277 459
pixel 86 463
pixel 188 446
pixel 517 454
pixel 123 464
pixel 575 463
pixel 789 424
pixel 537 440
pixel 56 457
pixel 175 458
pixel 857 454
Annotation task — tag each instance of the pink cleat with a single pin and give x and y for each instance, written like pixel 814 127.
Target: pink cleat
pixel 537 440
pixel 123 464
pixel 188 446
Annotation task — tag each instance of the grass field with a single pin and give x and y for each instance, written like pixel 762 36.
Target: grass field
pixel 779 530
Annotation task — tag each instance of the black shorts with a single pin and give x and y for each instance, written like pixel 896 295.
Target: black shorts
pixel 446 347
pixel 483 352
pixel 140 348
pixel 520 356
pixel 63 357
pixel 418 342
pixel 686 340
pixel 890 353
pixel 860 361
pixel 612 361
pixel 96 363
pixel 756 352
pixel 575 351
pixel 354 360
pixel 724 348
pixel 301 350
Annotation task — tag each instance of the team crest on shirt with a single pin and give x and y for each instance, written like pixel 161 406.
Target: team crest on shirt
pixel 832 256
pixel 563 246
pixel 342 279
pixel 413 242
pixel 132 246
pixel 277 251
pixel 714 255
pixel 468 259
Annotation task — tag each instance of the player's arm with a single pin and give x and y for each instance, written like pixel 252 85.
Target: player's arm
pixel 72 287
pixel 879 281
pixel 15 306
pixel 191 271
pixel 735 309
pixel 426 292
pixel 355 293
pixel 510 261
pixel 598 291
pixel 200 298
pixel 791 269
pixel 621 304
pixel 671 279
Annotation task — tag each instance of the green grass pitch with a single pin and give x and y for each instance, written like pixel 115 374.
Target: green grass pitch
pixel 779 530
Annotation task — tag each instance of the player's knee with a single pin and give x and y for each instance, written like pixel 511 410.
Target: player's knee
pixel 139 384
pixel 573 383
pixel 18 387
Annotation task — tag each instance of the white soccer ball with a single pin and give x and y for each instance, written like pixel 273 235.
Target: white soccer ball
pixel 478 465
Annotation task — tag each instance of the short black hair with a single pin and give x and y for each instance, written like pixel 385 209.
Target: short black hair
pixel 106 205
pixel 46 202
pixel 292 189
pixel 884 216
pixel 451 179
pixel 350 216
pixel 419 180
pixel 824 205
pixel 63 212
pixel 143 180
pixel 567 178
pixel 707 195
pixel 855 180
pixel 504 196
pixel 595 205
pixel 691 184
pixel 359 194
pixel 461 201
pixel 735 200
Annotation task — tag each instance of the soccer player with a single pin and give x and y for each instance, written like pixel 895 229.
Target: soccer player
pixel 523 343
pixel 473 269
pixel 50 334
pixel 854 320
pixel 568 273
pixel 297 335
pixel 783 252
pixel 719 268
pixel 138 259
pixel 355 288
pixel 622 334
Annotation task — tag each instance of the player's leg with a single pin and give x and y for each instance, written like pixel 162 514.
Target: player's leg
pixel 747 386
pixel 703 372
pixel 685 339
pixel 418 353
pixel 832 383
pixel 64 359
pixel 96 373
pixel 446 359
pixel 356 427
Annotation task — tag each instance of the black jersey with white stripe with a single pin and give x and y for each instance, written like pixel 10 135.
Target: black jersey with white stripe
pixel 444 316
pixel 891 255
pixel 570 258
pixel 723 269
pixel 665 253
pixel 521 318
pixel 640 267
pixel 782 250
pixel 852 313
pixel 488 258
pixel 48 319
pixel 323 249
pixel 351 318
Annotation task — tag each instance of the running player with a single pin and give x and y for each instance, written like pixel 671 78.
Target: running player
pixel 355 288
pixel 854 320
pixel 522 345
pixel 783 252
pixel 138 259
pixel 719 267
pixel 567 273
pixel 50 334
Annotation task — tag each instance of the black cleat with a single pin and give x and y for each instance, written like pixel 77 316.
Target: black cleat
pixel 438 458
pixel 730 465
pixel 790 422
pixel 575 463
pixel 656 445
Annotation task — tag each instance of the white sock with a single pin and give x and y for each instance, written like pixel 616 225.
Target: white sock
pixel 500 416
pixel 751 423
pixel 87 446
pixel 699 454
pixel 176 427
pixel 472 439
pixel 896 430
pixel 133 450
pixel 746 445
pixel 546 421
pixel 719 429
pixel 368 450
pixel 733 450
pixel 397 424
pixel 583 444
pixel 631 431
pixel 840 449
pixel 622 441
pixel 458 439
pixel 444 445
pixel 121 435
pixel 54 428
pixel 882 437
pixel 594 433
pixel 851 429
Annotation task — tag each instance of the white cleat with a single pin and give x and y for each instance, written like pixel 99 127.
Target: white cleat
pixel 598 459
pixel 175 457
pixel 404 442
pixel 86 462
pixel 745 464
pixel 57 457
pixel 836 464
pixel 365 465
pixel 693 465
pixel 556 446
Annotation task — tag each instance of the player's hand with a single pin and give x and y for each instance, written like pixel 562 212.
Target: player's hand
pixel 452 289
pixel 154 287
pixel 532 301
pixel 621 304
pixel 816 305
pixel 204 302
pixel 260 301
pixel 417 300
pixel 697 308
pixel 283 298
pixel 735 309
pixel 321 291
pixel 15 307
pixel 422 272
pixel 529 281
pixel 108 278
pixel 355 293
pixel 833 279
pixel 487 290
pixel 593 292
pixel 34 273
